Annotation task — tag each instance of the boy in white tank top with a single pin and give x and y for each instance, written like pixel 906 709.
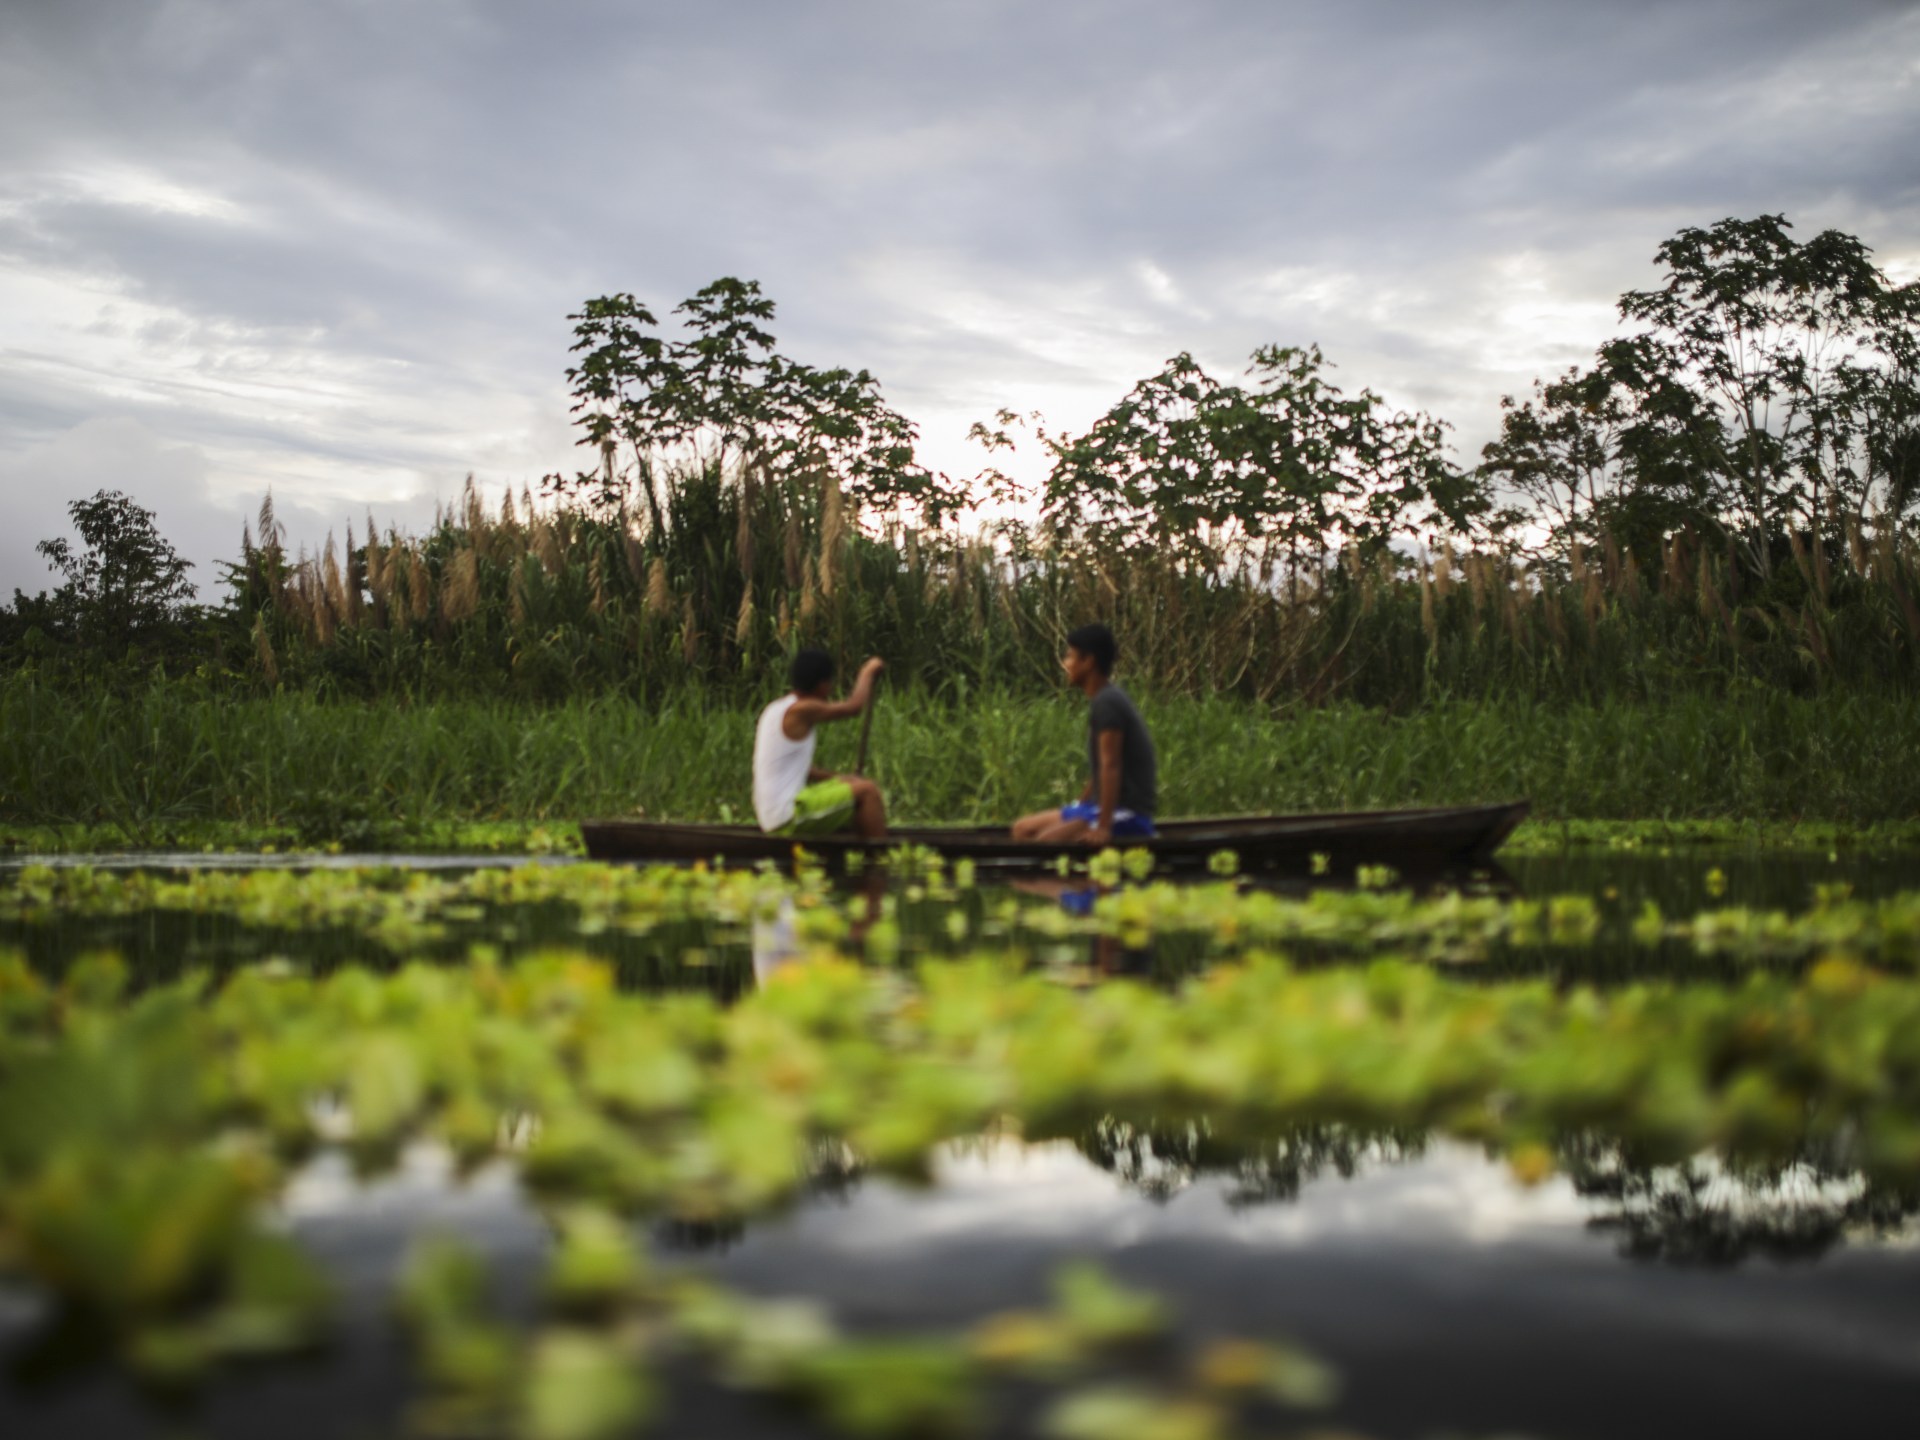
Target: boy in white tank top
pixel 790 795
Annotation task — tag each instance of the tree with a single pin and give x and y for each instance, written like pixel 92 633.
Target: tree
pixel 1188 466
pixel 127 585
pixel 722 396
pixel 1612 449
pixel 1804 356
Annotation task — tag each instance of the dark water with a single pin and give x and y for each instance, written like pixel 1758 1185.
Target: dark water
pixel 1450 1299
pixel 719 959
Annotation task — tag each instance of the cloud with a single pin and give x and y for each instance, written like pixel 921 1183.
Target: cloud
pixel 173 481
pixel 330 249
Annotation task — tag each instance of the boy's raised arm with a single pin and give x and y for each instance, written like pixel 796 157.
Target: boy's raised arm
pixel 809 713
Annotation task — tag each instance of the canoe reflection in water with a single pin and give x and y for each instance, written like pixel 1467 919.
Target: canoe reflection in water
pixel 776 939
pixel 1110 955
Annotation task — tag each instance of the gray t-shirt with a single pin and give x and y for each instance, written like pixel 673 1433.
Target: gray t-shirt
pixel 1112 709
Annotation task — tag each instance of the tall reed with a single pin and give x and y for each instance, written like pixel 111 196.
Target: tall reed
pixel 172 753
pixel 543 603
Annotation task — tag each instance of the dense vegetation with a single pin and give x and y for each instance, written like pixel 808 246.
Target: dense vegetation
pixel 147 1122
pixel 1715 522
pixel 161 760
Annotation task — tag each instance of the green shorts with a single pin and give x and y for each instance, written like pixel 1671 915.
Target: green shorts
pixel 822 808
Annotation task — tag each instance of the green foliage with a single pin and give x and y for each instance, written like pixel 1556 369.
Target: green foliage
pixel 1203 471
pixel 723 395
pixel 142 1125
pixel 162 763
pixel 126 594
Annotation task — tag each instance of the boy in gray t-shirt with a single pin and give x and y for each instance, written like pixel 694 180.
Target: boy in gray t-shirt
pixel 1123 773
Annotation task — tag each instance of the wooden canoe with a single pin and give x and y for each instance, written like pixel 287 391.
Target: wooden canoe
pixel 1406 839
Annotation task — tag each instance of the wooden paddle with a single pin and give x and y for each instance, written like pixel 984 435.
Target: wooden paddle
pixel 866 728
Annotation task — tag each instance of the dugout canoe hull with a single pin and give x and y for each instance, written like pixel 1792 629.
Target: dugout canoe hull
pixel 1406 839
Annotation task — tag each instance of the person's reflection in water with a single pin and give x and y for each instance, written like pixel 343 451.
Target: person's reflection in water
pixel 1077 897
pixel 776 937
pixel 776 943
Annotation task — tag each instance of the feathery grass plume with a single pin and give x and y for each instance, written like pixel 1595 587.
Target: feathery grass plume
pixel 832 533
pixel 784 620
pixel 659 594
pixel 336 585
pixel 1429 622
pixel 636 558
pixel 1479 573
pixel 1674 581
pixel 744 495
pixel 476 515
pixel 420 588
pixel 272 534
pixel 743 622
pixel 517 595
pixel 792 549
pixel 1800 561
pixel 1856 544
pixel 292 601
pixel 597 582
pixel 810 591
pixel 549 545
pixel 1577 563
pixel 1443 572
pixel 319 604
pixel 354 581
pixel 1629 584
pixel 380 582
pixel 263 655
pixel 461 598
pixel 689 634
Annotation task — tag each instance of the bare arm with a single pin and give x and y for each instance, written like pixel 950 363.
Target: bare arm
pixel 803 715
pixel 1110 743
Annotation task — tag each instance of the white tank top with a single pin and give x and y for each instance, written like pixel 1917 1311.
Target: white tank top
pixel 780 765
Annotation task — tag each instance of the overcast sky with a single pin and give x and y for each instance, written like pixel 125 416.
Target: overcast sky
pixel 328 246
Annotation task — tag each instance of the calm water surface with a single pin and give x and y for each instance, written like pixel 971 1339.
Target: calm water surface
pixel 1450 1298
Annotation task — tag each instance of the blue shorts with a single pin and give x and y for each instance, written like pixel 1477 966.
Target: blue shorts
pixel 1126 824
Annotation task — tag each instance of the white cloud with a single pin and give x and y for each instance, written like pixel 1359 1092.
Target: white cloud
pixel 330 250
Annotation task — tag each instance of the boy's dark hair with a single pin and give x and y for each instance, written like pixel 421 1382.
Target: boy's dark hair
pixel 1096 642
pixel 810 669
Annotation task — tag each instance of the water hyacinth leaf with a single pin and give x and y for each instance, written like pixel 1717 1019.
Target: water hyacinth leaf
pixel 135 1235
pixel 1281 1372
pixel 276 1301
pixel 581 1385
pixel 1100 1311
pixel 1122 1412
pixel 385 1089
pixel 881 1389
pixel 761 1345
pixel 596 1267
pixel 1027 1341
pixel 640 1071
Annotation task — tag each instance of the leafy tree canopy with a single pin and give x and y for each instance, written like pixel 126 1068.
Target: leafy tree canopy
pixel 124 585
pixel 721 392
pixel 1194 467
